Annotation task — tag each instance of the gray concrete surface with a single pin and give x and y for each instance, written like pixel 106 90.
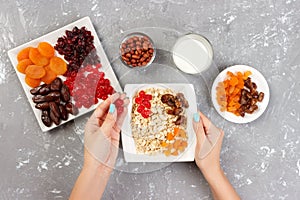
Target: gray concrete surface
pixel 261 159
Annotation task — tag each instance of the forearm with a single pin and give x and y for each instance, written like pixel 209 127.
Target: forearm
pixel 91 183
pixel 221 187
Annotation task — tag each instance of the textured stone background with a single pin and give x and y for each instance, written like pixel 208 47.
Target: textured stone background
pixel 261 159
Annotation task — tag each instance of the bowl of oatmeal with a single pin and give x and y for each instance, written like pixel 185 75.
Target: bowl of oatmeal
pixel 158 126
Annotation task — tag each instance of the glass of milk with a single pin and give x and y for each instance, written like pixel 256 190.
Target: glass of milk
pixel 192 53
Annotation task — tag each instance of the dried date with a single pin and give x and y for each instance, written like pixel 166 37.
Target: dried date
pixel 52 96
pixel 42 106
pixel 71 108
pixel 46 118
pixel 54 101
pixel 65 93
pixel 63 112
pixel 36 90
pixel 249 98
pixel 54 118
pixel 180 120
pixel 54 108
pixel 45 90
pixel 56 84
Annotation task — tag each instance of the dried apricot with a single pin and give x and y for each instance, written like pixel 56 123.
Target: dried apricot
pixel 35 71
pixel 176 144
pixel 163 144
pixel 37 58
pixel 170 136
pixel 167 152
pixel 182 133
pixel 176 129
pixel 46 49
pixel 23 54
pixel 175 153
pixel 234 81
pixel 181 148
pixel 49 76
pixel 184 144
pixel 247 73
pixel 22 65
pixel 32 82
pixel 58 65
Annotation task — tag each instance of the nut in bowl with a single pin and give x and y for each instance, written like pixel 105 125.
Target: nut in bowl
pixel 137 50
pixel 158 127
pixel 240 94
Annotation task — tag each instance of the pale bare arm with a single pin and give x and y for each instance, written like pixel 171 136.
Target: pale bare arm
pixel 101 143
pixel 210 165
pixel 92 180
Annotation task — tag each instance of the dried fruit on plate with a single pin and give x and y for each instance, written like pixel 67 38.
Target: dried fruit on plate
pixel 40 58
pixel 229 91
pixel 88 85
pixel 23 54
pixel 156 131
pixel 54 101
pixel 77 47
pixel 46 49
pixel 23 64
pixel 35 71
pixel 32 82
pixel 143 100
pixel 37 58
pixel 249 98
pixel 58 65
pixel 49 76
pixel 234 94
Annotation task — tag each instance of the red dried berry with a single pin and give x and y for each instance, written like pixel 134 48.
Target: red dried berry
pixel 148 96
pixel 140 109
pixel 146 113
pixel 120 110
pixel 142 93
pixel 138 100
pixel 146 103
pixel 119 102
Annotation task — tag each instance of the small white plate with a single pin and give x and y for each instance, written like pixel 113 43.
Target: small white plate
pixel 128 144
pixel 52 38
pixel 262 86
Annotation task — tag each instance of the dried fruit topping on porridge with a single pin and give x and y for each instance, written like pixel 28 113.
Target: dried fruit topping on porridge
pixel 159 121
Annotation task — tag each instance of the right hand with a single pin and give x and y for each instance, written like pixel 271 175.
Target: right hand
pixel 210 163
pixel 102 132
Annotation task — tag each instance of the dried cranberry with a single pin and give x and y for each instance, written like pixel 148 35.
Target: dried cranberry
pixel 98 65
pixel 104 97
pixel 119 102
pixel 140 109
pixel 77 47
pixel 148 96
pixel 138 100
pixel 120 110
pixel 147 104
pixel 142 93
pixel 106 82
pixel 146 113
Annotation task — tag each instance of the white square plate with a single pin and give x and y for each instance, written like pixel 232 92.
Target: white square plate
pixel 52 38
pixel 128 144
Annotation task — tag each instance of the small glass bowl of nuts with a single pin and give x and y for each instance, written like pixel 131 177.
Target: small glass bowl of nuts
pixel 137 50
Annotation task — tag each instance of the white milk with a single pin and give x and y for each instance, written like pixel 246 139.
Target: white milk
pixel 192 54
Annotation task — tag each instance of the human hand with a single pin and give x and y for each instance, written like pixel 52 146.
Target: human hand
pixel 102 132
pixel 209 143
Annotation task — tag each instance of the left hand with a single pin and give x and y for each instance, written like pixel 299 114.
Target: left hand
pixel 102 133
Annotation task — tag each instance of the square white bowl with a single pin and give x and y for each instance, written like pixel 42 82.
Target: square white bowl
pixel 128 143
pixel 52 38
